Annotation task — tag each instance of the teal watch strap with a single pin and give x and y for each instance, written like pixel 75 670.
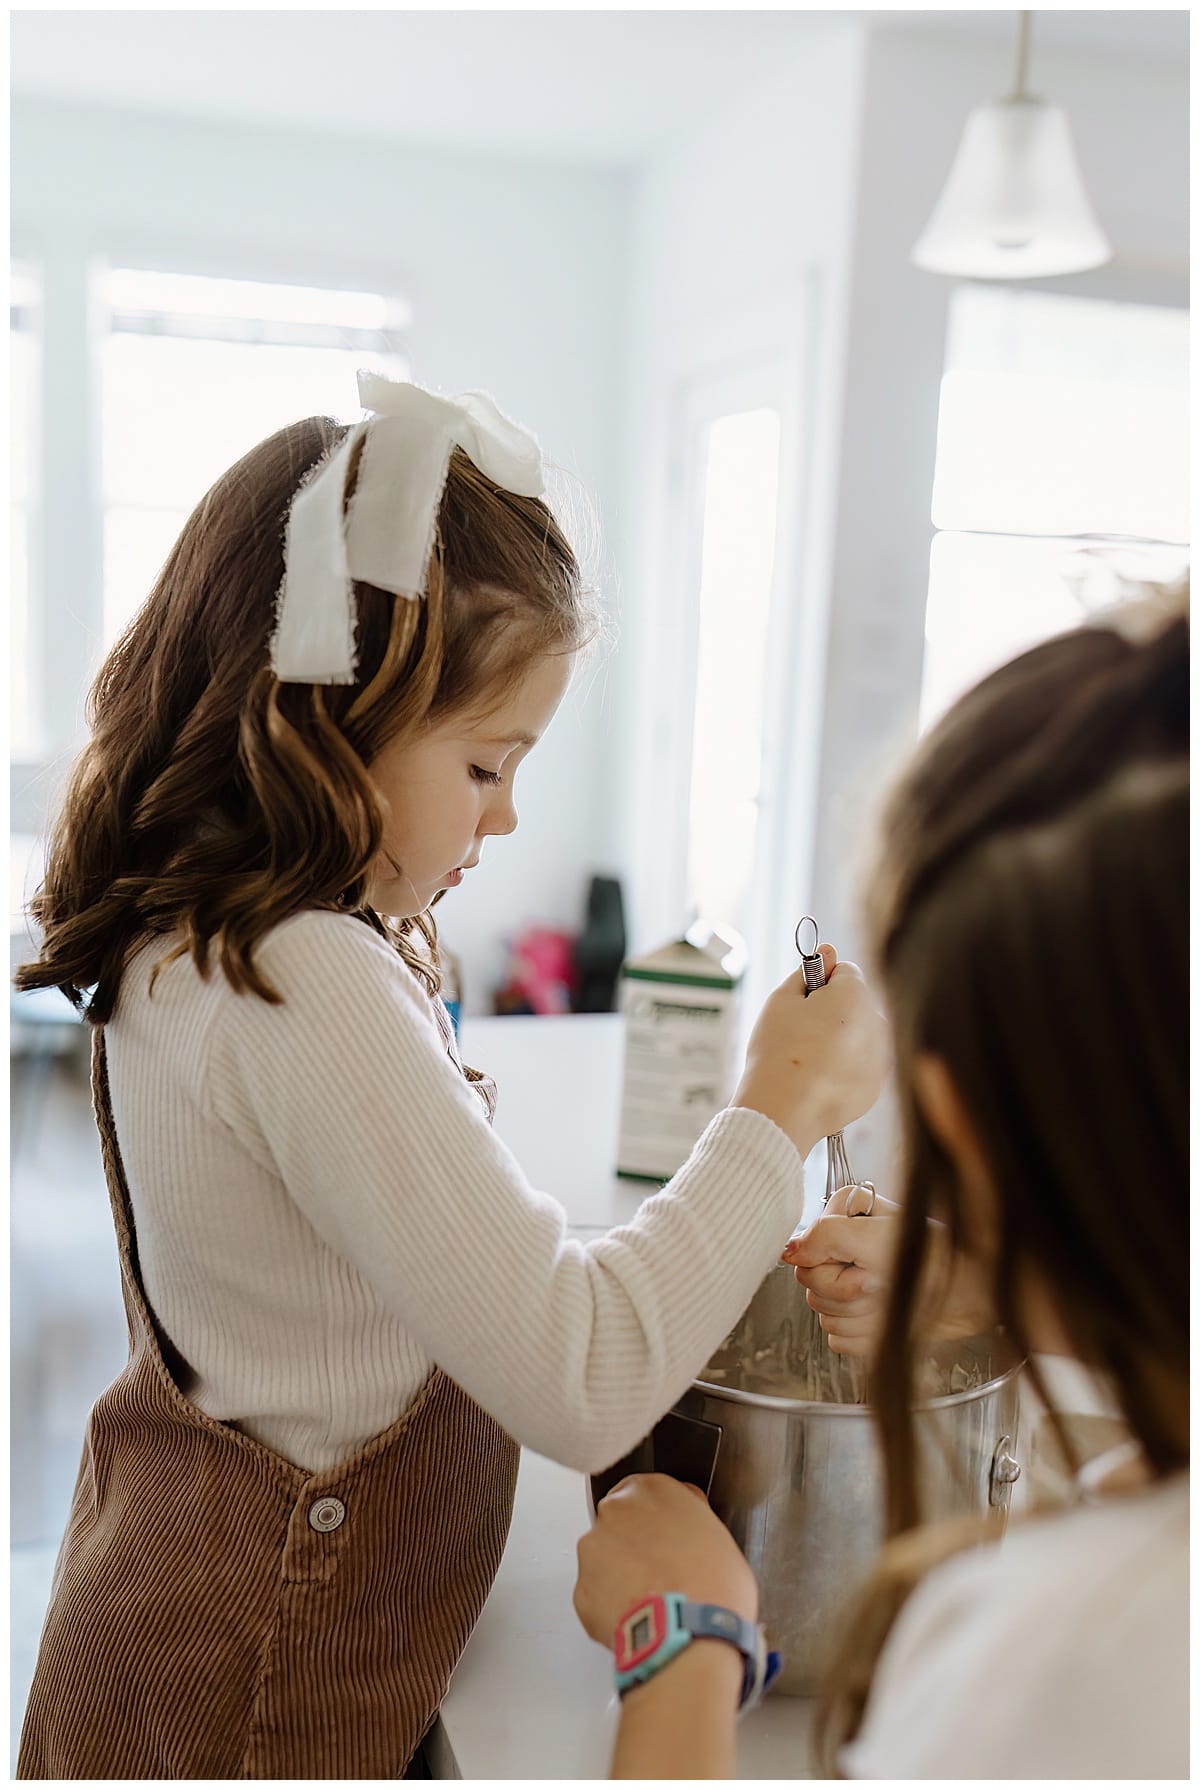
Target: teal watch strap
pixel 654 1632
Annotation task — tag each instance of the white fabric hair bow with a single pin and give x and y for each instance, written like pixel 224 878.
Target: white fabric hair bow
pixel 386 535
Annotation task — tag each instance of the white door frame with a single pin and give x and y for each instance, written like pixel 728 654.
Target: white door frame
pixel 756 355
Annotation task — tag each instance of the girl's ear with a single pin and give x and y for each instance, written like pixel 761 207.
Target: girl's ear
pixel 945 1113
pixel 942 1106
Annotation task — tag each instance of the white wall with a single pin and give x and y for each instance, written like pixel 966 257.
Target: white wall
pixel 1130 120
pixel 516 273
pixel 821 178
pixel 817 181
pixel 741 236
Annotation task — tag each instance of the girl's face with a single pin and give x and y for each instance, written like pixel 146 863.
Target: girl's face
pixel 449 789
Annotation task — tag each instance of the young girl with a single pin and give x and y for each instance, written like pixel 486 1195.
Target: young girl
pixel 346 1305
pixel 1032 923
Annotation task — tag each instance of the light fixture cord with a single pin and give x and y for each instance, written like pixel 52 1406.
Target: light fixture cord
pixel 1024 31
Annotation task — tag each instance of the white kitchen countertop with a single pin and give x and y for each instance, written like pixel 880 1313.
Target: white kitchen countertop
pixel 532 1696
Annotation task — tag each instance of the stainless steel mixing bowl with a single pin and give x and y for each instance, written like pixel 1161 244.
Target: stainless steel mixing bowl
pixel 798 1480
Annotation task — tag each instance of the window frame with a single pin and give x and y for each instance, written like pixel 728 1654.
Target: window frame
pixel 67 540
pixel 33 502
pixel 1084 541
pixel 754 355
pixel 708 401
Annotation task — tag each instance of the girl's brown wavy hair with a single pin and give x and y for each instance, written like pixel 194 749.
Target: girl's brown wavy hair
pixel 212 801
pixel 1029 917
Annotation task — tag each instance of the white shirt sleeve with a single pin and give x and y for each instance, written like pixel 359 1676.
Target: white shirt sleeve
pixel 346 1088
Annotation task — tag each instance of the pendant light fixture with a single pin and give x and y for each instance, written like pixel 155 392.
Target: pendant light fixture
pixel 1014 207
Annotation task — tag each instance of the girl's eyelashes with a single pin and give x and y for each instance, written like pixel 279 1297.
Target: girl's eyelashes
pixel 482 776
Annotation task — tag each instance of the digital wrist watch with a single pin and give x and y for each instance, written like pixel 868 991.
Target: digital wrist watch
pixel 657 1629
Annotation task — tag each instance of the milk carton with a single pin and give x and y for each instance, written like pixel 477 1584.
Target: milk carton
pixel 681 1019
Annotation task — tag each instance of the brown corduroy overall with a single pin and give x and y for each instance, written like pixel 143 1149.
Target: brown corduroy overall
pixel 217 1612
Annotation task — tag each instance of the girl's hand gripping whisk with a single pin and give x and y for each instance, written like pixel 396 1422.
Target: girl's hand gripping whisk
pixel 813 1066
pixel 860 1195
pixel 844 1269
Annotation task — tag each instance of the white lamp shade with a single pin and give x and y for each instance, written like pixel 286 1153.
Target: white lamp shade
pixel 1014 207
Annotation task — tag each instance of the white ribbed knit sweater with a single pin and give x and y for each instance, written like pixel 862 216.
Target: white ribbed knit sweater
pixel 323 1212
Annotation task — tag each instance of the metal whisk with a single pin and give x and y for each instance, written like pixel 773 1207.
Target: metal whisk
pixel 846 1377
pixel 837 1163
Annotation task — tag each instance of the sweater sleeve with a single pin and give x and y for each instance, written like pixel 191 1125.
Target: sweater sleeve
pixel 576 1348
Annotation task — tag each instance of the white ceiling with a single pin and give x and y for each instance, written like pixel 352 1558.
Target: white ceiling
pixel 592 85
pixel 606 87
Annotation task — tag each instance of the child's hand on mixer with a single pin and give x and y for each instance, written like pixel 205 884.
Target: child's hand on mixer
pixel 845 1266
pixel 653 1534
pixel 816 1062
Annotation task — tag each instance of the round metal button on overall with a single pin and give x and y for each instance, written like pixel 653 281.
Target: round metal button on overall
pixel 327 1514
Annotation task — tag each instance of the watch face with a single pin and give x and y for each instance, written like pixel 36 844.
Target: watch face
pixel 641 1633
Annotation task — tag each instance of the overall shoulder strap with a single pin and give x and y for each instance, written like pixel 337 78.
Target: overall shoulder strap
pixel 114 1173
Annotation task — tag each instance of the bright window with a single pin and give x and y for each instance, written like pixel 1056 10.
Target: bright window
pixel 196 371
pixel 25 723
pixel 737 560
pixel 1062 471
